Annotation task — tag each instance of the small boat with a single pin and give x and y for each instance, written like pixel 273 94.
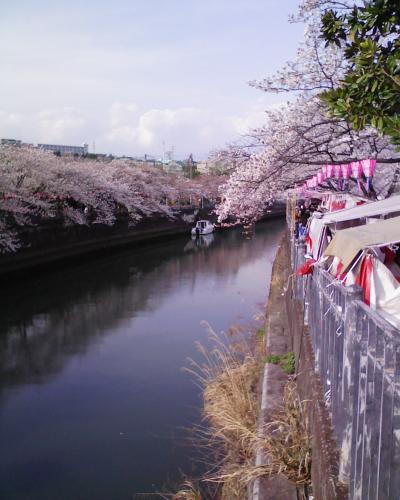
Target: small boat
pixel 202 227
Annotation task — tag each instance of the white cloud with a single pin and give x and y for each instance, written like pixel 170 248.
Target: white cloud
pixel 256 117
pixel 60 125
pixel 189 129
pixel 253 120
pixel 122 114
pixel 125 129
pixel 10 124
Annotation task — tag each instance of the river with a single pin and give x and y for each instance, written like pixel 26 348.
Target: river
pixel 94 403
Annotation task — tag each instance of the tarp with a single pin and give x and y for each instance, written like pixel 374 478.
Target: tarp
pixel 314 232
pixel 381 289
pixel 347 243
pixel 381 207
pixel 306 268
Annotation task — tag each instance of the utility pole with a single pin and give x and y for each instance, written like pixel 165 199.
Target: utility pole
pixel 190 164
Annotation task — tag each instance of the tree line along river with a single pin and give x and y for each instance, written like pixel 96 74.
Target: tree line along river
pixel 93 400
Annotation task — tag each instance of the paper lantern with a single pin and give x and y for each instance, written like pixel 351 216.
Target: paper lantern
pixel 330 170
pixel 356 169
pixel 346 171
pixel 337 169
pixel 368 167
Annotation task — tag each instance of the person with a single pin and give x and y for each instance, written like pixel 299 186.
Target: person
pixel 302 227
pixel 304 215
pixel 296 221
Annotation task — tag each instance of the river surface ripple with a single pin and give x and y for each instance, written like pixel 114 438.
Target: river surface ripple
pixel 93 401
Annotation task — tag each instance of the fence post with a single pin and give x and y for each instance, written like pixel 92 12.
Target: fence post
pixel 347 409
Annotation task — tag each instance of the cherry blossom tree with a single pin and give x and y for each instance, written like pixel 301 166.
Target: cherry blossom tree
pixel 37 186
pixel 300 137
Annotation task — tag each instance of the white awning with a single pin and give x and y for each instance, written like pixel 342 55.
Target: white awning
pixel 376 208
pixel 347 243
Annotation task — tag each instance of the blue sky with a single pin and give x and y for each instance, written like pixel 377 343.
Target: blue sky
pixel 128 75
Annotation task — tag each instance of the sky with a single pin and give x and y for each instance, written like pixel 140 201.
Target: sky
pixel 139 77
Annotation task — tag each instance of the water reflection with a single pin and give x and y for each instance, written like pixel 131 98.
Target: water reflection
pixel 105 342
pixel 202 241
pixel 60 315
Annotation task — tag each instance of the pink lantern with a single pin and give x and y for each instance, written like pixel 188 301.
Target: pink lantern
pixel 320 177
pixel 325 171
pixel 368 167
pixel 356 169
pixel 337 171
pixel 330 170
pixel 346 171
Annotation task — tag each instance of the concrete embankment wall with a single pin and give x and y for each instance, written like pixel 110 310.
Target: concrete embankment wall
pixel 278 342
pixel 53 243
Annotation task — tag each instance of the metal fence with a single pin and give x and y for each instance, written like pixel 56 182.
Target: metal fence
pixel 357 356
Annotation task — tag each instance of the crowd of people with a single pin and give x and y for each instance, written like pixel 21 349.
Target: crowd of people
pixel 302 213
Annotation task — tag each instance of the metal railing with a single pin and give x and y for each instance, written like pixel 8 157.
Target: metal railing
pixel 357 356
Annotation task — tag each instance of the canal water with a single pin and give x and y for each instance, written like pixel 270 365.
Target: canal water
pixel 93 401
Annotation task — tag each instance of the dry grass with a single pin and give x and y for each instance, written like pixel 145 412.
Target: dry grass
pixel 285 442
pixel 230 377
pixel 287 439
pixel 188 491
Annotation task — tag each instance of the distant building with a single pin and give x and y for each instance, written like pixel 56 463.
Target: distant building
pixel 173 167
pixel 203 167
pixel 11 142
pixel 212 167
pixel 65 150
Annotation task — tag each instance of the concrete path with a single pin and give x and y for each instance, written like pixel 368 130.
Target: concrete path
pixel 277 342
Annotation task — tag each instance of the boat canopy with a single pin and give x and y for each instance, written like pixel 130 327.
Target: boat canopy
pixel 347 243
